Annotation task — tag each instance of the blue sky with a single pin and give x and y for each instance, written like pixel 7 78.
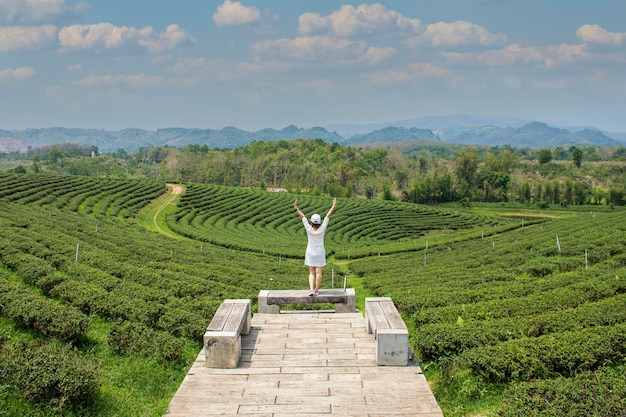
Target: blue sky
pixel 113 64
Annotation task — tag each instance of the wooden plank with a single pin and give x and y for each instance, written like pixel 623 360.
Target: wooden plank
pixel 376 316
pixel 305 385
pixel 392 315
pixel 236 318
pixel 220 317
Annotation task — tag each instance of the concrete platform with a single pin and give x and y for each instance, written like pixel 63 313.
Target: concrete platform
pixel 305 364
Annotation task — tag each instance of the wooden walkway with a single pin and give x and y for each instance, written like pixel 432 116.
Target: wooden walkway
pixel 305 364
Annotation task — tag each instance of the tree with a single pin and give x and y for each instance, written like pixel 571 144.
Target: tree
pixel 577 157
pixel 121 154
pixel 54 155
pixel 619 153
pixel 508 161
pixel 18 170
pixel 465 169
pixel 544 156
pixel 616 196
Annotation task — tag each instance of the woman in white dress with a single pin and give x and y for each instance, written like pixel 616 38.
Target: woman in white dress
pixel 315 256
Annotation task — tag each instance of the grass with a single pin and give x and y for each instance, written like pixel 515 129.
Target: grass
pixel 131 386
pixel 152 217
pixel 463 396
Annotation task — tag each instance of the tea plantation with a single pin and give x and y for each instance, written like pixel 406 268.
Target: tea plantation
pixel 98 316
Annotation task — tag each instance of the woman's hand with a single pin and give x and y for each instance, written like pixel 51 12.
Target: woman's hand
pixel 295 204
pixel 334 202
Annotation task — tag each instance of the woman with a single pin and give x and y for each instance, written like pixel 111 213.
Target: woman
pixel 315 256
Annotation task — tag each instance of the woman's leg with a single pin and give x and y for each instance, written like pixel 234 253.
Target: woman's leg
pixel 311 277
pixel 318 277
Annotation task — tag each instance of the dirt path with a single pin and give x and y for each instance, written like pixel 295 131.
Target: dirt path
pixel 174 191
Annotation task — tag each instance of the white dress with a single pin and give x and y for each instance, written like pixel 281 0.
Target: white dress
pixel 315 253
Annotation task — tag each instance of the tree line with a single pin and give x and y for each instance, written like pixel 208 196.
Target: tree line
pixel 426 173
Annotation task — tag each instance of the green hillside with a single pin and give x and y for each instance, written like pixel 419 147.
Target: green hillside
pixel 253 220
pixel 511 313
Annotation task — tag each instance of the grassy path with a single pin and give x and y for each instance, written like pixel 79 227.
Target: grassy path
pixel 151 216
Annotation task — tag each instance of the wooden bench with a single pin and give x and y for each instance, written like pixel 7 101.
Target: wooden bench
pixel 392 337
pixel 271 300
pixel 222 339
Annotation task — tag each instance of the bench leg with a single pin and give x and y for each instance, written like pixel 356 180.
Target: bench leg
pixel 368 326
pixel 265 308
pixel 222 349
pixel 392 347
pixel 350 305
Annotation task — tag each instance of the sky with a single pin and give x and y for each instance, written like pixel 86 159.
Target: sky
pixel 115 64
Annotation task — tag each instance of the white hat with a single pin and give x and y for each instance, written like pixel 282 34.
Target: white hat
pixel 316 219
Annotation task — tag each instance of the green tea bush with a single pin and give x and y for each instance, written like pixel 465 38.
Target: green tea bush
pixel 600 393
pixel 130 338
pixel 562 354
pixel 33 311
pixel 50 372
pixel 448 339
pixel 30 267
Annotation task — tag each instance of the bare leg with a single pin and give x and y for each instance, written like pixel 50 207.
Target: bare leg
pixel 318 277
pixel 311 277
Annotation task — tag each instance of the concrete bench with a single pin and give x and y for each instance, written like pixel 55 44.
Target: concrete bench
pixel 392 337
pixel 271 300
pixel 222 339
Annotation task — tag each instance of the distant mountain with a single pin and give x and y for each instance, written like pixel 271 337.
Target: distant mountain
pixel 133 139
pixel 393 134
pixel 459 129
pixel 533 135
pixel 434 123
pixel 8 144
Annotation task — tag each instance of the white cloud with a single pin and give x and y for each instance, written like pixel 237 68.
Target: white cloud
pixel 136 81
pixel 597 34
pixel 313 22
pixel 350 20
pixel 515 54
pixel 173 36
pixel 18 74
pixel 38 11
pixel 232 13
pixel 375 54
pixel 25 37
pixel 312 48
pixel 109 36
pixel 99 35
pixel 458 33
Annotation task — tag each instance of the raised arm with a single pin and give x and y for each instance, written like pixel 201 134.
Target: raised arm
pixel 298 212
pixel 332 209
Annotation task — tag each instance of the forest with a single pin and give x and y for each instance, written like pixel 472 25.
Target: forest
pixel 418 172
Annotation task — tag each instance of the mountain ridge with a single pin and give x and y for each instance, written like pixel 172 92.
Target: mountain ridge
pixel 459 129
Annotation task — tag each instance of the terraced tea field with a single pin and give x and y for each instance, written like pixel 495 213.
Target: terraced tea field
pixel 258 221
pixel 511 315
pixel 545 302
pixel 103 197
